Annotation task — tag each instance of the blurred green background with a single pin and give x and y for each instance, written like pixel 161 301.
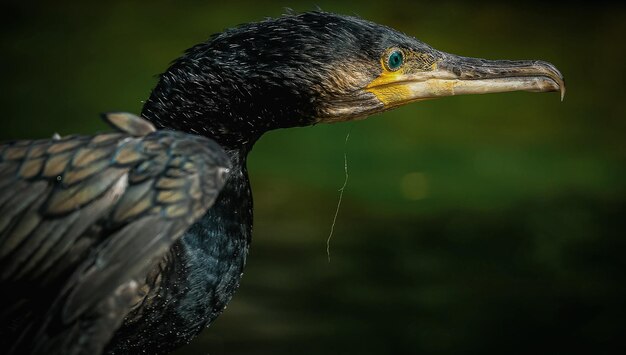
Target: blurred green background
pixel 470 225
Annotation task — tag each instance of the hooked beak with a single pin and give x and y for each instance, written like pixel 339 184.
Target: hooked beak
pixel 451 75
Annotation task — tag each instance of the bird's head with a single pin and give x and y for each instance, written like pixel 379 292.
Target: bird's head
pixel 315 67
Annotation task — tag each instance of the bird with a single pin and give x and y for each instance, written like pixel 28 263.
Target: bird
pixel 120 294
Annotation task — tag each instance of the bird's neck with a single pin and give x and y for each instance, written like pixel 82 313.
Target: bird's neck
pixel 198 95
pixel 230 132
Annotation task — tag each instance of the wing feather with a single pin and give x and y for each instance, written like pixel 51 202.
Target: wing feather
pixel 86 218
pixel 19 216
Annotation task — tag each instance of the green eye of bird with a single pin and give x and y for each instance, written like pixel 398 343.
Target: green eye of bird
pixel 395 60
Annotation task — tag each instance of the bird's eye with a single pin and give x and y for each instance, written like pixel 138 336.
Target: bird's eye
pixel 395 60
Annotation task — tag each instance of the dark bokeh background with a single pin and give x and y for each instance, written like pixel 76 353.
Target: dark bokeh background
pixel 470 225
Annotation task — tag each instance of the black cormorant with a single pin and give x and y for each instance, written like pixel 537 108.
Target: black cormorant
pixel 84 276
